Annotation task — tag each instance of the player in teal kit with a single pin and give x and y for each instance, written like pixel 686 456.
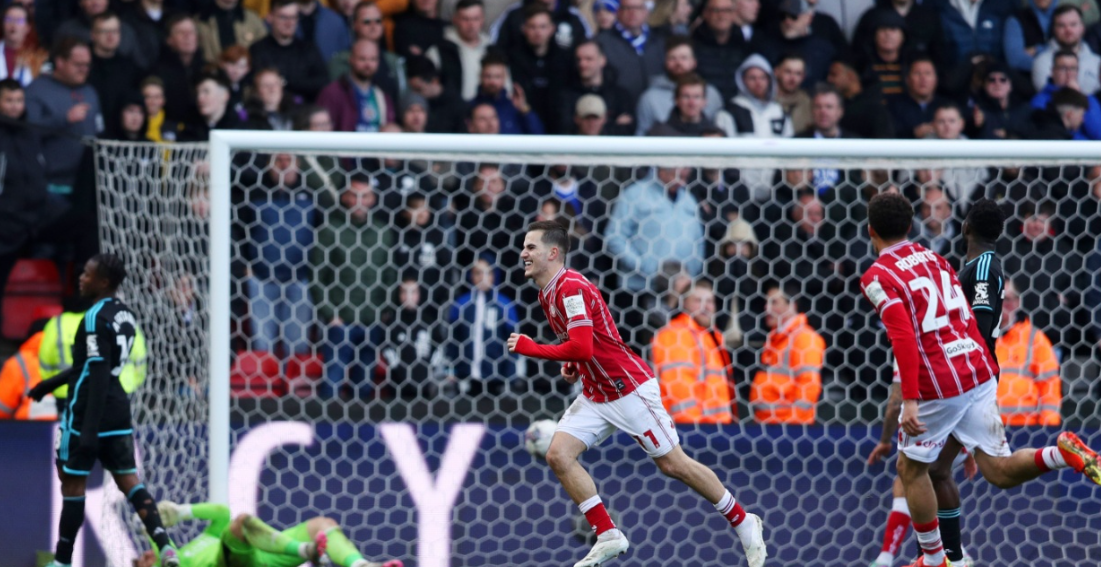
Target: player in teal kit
pixel 246 541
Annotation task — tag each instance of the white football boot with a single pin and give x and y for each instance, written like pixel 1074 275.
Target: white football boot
pixel 753 542
pixel 609 545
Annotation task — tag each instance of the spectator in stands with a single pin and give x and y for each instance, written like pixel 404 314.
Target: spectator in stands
pixel 787 387
pixel 881 66
pixel 147 17
pixel 997 114
pixel 594 77
pixel 212 100
pixel 959 182
pixel 158 127
pixel 688 116
pixel 1049 277
pixel 972 28
pixel 571 28
pixel 229 23
pixel 418 29
pixel 720 45
pixel 590 116
pixel 352 276
pixel 514 114
pixel 410 344
pixel 113 75
pixel 1030 391
pixel 1066 35
pixel 1027 34
pixel 413 112
pixel 795 101
pixel 446 111
pixel 131 124
pixel 828 110
pixel 423 246
pixel 297 59
pixel 746 13
pixel 538 65
pixel 280 219
pixel 656 104
pixel 924 33
pixel 68 107
pixel 634 50
pixel 481 321
pixel 21 61
pixel 459 55
pixel 269 103
pixel 912 111
pixel 1064 74
pixel 368 24
pixel 483 119
pixel 691 363
pixel 80 27
pixel 866 117
pixel 934 223
pixel 755 113
pixel 354 101
pixel 812 34
pixel 323 27
pixel 179 66
pixel 1065 116
pixel 19 374
pixel 234 62
pixel 659 205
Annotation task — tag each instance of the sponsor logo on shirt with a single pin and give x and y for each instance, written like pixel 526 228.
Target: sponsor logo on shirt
pixel 982 294
pixel 962 346
pixel 93 346
pixel 575 305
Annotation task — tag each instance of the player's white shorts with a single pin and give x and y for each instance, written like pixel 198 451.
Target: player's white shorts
pixel 972 418
pixel 639 414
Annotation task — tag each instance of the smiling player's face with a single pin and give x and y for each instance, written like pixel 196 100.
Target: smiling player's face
pixel 534 254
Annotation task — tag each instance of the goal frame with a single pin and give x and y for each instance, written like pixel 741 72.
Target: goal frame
pixel 767 152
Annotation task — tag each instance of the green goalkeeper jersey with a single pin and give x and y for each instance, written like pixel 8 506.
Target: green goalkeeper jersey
pixel 203 551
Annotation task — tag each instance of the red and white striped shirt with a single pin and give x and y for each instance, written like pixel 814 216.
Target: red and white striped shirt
pixel 918 297
pixel 614 370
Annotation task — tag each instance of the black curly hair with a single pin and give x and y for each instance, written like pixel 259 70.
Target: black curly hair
pixel 987 220
pixel 890 215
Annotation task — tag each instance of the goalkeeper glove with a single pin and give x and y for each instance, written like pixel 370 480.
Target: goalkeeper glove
pixel 171 513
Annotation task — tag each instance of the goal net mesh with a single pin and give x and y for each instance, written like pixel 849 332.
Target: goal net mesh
pixel 372 288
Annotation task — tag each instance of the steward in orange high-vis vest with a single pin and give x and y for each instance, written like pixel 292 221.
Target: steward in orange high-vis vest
pixel 17 377
pixel 786 390
pixel 1030 391
pixel 691 364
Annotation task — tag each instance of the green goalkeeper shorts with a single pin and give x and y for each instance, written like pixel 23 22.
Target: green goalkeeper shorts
pixel 241 554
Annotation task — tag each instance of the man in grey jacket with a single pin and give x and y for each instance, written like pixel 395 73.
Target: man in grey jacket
pixel 1067 30
pixel 657 102
pixel 68 107
pixel 633 49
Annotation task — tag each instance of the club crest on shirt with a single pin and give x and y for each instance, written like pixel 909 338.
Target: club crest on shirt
pixel 93 346
pixel 982 294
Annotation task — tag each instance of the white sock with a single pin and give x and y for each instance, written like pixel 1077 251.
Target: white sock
pixel 1053 458
pixel 724 504
pixel 899 505
pixel 931 539
pixel 589 504
pixel 746 528
pixel 885 558
pixel 360 563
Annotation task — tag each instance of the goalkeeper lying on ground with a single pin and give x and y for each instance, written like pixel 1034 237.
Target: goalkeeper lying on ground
pixel 248 542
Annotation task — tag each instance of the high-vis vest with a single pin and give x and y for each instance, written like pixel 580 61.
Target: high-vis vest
pixel 1030 391
pixel 786 390
pixel 691 364
pixel 17 377
pixel 55 355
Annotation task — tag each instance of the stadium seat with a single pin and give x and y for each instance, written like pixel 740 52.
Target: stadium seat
pixel 255 374
pixel 303 371
pixel 33 291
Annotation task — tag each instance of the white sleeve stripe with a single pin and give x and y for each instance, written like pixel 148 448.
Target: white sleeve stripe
pixel 581 323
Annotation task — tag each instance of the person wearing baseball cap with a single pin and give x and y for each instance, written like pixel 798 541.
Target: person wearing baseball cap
pixel 590 115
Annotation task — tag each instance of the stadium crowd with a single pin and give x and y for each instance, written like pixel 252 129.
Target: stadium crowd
pixel 353 259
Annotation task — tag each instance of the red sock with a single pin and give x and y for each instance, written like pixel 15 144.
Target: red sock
pixel 731 510
pixel 1038 456
pixel 599 519
pixel 897 525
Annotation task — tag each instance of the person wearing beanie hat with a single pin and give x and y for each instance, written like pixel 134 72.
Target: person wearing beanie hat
pixel 1064 117
pixel 413 112
pixel 924 32
pixel 881 66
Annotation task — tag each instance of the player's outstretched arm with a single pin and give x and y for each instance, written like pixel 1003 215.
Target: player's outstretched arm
pixel 577 348
pixel 47 386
